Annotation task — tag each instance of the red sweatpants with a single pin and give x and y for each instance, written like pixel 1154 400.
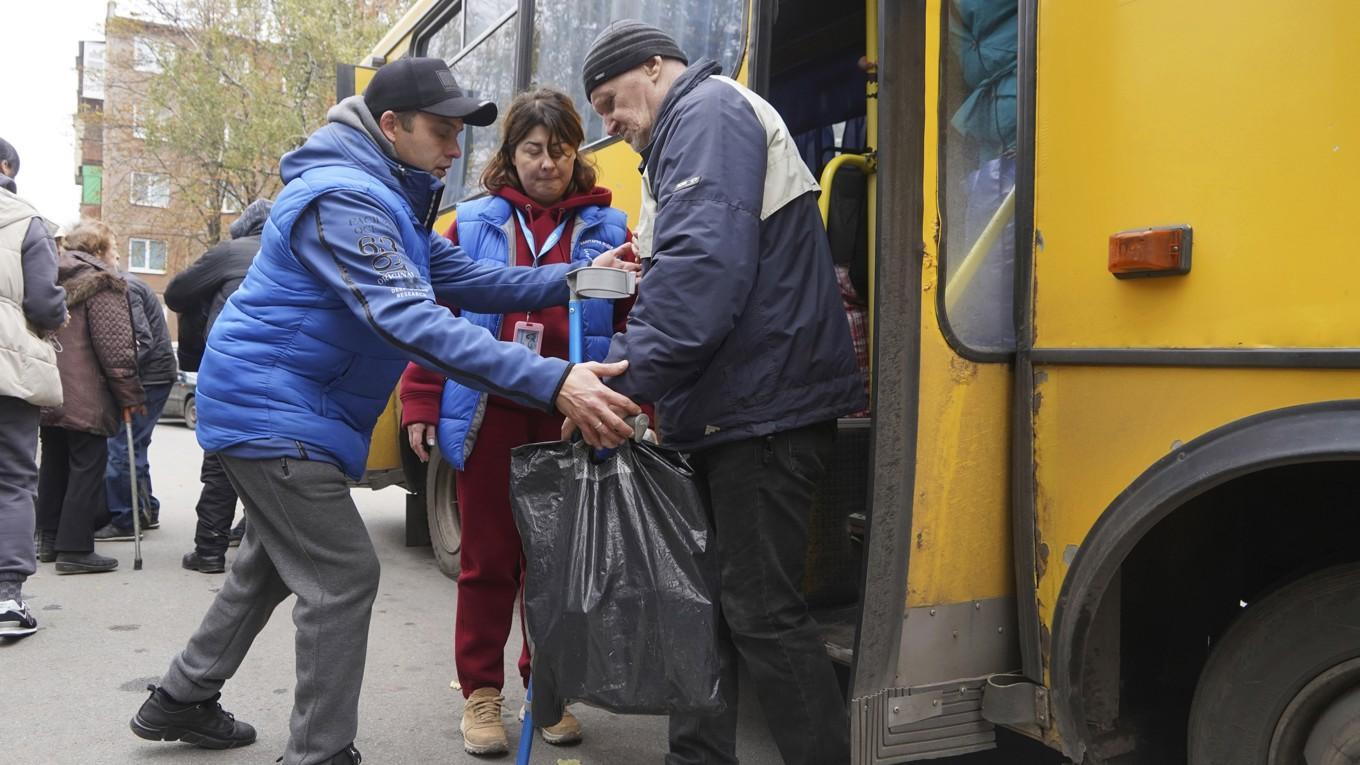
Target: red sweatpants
pixel 492 557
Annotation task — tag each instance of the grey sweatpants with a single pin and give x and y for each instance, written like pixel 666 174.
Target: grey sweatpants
pixel 18 487
pixel 305 537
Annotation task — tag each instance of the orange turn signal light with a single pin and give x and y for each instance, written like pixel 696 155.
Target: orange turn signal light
pixel 1150 252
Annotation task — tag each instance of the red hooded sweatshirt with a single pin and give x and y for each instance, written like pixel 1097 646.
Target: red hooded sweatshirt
pixel 421 389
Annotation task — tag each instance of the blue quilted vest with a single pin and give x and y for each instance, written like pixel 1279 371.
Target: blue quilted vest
pixel 256 382
pixel 486 232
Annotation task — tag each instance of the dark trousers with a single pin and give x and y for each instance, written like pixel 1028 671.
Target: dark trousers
pixel 216 508
pixel 18 484
pixel 305 538
pixel 760 492
pixel 71 487
pixel 118 474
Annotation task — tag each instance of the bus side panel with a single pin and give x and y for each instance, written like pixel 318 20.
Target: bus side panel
pixel 960 532
pixel 1241 120
pixel 1099 428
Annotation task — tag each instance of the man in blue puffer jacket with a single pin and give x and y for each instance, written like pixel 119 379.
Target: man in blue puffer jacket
pixel 300 364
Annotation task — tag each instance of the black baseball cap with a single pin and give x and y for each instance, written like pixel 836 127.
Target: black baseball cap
pixel 426 85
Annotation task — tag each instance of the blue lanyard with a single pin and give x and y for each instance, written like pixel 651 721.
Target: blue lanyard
pixel 553 238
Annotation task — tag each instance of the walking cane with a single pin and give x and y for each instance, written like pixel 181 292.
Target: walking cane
pixel 584 283
pixel 136 511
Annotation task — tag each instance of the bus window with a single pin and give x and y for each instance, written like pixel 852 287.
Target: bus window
pixel 476 39
pixel 487 71
pixel 977 173
pixel 445 38
pixel 484 14
pixel 563 30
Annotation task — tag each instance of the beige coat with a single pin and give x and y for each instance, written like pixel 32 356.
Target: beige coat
pixel 28 364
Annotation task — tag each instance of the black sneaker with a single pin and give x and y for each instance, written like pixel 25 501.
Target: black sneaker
pixel 47 546
pixel 204 564
pixel 204 724
pixel 112 533
pixel 237 534
pixel 84 563
pixel 16 620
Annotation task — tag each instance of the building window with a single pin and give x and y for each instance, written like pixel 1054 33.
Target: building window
pixel 91 184
pixel 230 204
pixel 138 122
pixel 143 117
pixel 147 256
pixel 151 189
pixel 145 57
pixel 92 70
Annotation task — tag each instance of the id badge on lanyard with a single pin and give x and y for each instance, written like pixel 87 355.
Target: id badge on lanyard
pixel 530 333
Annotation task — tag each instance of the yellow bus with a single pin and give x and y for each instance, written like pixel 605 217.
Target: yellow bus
pixel 1106 494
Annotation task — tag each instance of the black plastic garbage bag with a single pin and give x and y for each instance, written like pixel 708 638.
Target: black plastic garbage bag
pixel 622 580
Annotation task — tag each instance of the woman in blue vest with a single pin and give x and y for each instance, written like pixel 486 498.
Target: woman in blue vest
pixel 542 207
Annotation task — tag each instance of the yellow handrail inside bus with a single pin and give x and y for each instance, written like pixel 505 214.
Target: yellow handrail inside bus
pixel 958 283
pixel 862 161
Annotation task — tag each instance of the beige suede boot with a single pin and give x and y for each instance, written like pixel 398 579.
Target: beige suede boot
pixel 483 732
pixel 566 731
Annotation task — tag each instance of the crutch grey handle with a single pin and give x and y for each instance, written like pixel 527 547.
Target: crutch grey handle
pixel 640 423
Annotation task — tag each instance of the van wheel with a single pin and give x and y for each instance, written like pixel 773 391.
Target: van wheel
pixel 1283 685
pixel 191 413
pixel 441 509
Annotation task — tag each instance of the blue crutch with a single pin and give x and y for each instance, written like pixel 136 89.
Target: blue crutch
pixel 585 284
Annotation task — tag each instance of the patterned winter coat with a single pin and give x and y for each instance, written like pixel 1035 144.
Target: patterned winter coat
pixel 97 354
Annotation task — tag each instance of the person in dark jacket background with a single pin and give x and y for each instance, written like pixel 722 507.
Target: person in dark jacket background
pixel 198 294
pixel 31 307
pixel 156 370
pixel 98 365
pixel 740 341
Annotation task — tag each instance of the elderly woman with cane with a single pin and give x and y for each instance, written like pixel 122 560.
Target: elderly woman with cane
pixel 98 366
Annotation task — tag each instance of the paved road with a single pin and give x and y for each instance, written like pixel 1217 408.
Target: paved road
pixel 69 690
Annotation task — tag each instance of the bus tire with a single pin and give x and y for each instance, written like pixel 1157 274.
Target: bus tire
pixel 1284 678
pixel 441 510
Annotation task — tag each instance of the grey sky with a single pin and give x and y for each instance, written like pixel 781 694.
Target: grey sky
pixel 39 89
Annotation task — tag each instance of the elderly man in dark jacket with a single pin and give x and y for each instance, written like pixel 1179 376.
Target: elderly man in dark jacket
pixel 156 368
pixel 739 339
pixel 198 294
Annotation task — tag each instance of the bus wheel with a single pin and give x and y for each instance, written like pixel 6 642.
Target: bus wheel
pixel 441 509
pixel 1282 687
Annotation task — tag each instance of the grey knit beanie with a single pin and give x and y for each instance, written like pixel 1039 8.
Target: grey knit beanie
pixel 252 219
pixel 623 45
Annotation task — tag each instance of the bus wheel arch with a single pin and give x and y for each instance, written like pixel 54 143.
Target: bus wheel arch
pixel 1312 437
